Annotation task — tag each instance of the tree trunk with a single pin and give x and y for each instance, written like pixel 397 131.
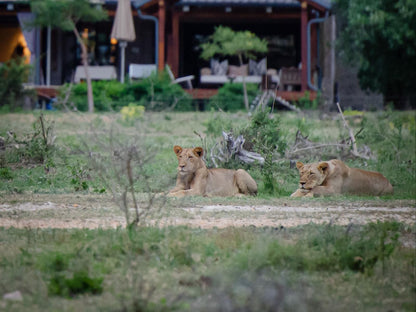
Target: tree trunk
pixel 240 58
pixel 84 56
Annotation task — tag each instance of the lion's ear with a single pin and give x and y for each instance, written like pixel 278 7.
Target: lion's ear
pixel 323 166
pixel 198 151
pixel 177 149
pixel 299 165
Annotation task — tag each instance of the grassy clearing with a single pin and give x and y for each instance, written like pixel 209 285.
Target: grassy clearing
pixel 389 135
pixel 306 268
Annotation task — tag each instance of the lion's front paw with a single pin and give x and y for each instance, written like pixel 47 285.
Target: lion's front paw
pixel 302 193
pixel 176 194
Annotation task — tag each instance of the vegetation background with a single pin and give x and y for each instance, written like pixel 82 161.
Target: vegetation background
pixel 146 268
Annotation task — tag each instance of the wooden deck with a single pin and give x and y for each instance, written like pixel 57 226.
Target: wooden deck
pixel 199 94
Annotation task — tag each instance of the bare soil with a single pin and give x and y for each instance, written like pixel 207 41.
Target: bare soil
pixel 100 211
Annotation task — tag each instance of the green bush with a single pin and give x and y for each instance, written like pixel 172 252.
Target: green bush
pixel 80 283
pixel 12 76
pixel 230 97
pixel 108 95
pixel 265 135
pixel 155 93
pixel 306 103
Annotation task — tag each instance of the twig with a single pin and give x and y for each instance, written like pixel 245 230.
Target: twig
pixel 131 184
pixel 354 145
pixel 318 146
pixel 67 94
pixel 45 138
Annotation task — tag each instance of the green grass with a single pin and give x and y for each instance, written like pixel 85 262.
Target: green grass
pixel 389 135
pixel 183 269
pixel 306 268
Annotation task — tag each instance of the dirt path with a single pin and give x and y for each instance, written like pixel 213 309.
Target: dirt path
pixel 89 211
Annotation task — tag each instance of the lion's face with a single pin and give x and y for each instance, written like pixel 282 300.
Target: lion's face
pixel 312 175
pixel 189 159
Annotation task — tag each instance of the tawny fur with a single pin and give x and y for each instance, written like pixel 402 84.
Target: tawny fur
pixel 194 178
pixel 335 177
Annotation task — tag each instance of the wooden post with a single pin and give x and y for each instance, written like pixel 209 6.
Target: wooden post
pixel 303 43
pixel 174 46
pixel 161 45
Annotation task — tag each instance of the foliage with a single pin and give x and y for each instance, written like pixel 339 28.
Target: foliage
pixel 306 103
pixel 35 147
pixel 13 74
pixel 177 268
pixel 80 283
pixel 266 136
pixel 225 41
pixel 217 123
pixel 380 36
pixel 230 96
pixel 390 135
pixel 65 14
pixel 108 95
pixel 132 112
pixel 157 92
pixel 154 93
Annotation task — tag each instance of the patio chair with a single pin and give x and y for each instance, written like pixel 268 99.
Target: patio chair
pixel 139 71
pixel 186 79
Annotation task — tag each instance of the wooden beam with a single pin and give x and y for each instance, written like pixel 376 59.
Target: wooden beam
pixel 303 43
pixel 173 51
pixel 162 40
pixel 210 16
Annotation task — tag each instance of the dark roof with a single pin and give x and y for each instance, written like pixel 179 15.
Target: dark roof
pixel 252 3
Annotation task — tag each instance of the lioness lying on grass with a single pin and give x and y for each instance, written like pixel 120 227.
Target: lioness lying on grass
pixel 335 177
pixel 195 179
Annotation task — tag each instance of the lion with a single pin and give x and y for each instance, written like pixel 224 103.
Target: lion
pixel 194 178
pixel 334 177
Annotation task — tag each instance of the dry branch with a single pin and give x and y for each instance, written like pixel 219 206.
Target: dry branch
pixel 304 148
pixel 351 133
pixel 230 148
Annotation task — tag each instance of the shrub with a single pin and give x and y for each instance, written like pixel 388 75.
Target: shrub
pixel 230 97
pixel 80 283
pixel 217 123
pixel 265 135
pixel 157 92
pixel 306 103
pixel 132 112
pixel 12 75
pixel 108 95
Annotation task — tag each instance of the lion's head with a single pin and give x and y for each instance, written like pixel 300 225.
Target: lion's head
pixel 189 159
pixel 312 175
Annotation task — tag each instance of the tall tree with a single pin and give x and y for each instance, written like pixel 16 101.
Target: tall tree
pixel 380 37
pixel 65 15
pixel 243 44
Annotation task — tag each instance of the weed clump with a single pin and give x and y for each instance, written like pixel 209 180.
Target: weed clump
pixel 80 283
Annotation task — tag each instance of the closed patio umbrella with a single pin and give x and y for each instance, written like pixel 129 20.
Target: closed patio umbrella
pixel 123 30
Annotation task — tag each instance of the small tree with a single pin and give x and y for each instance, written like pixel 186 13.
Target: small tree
pixel 225 41
pixel 379 36
pixel 65 14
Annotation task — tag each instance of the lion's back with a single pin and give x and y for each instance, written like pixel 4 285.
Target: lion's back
pixel 359 181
